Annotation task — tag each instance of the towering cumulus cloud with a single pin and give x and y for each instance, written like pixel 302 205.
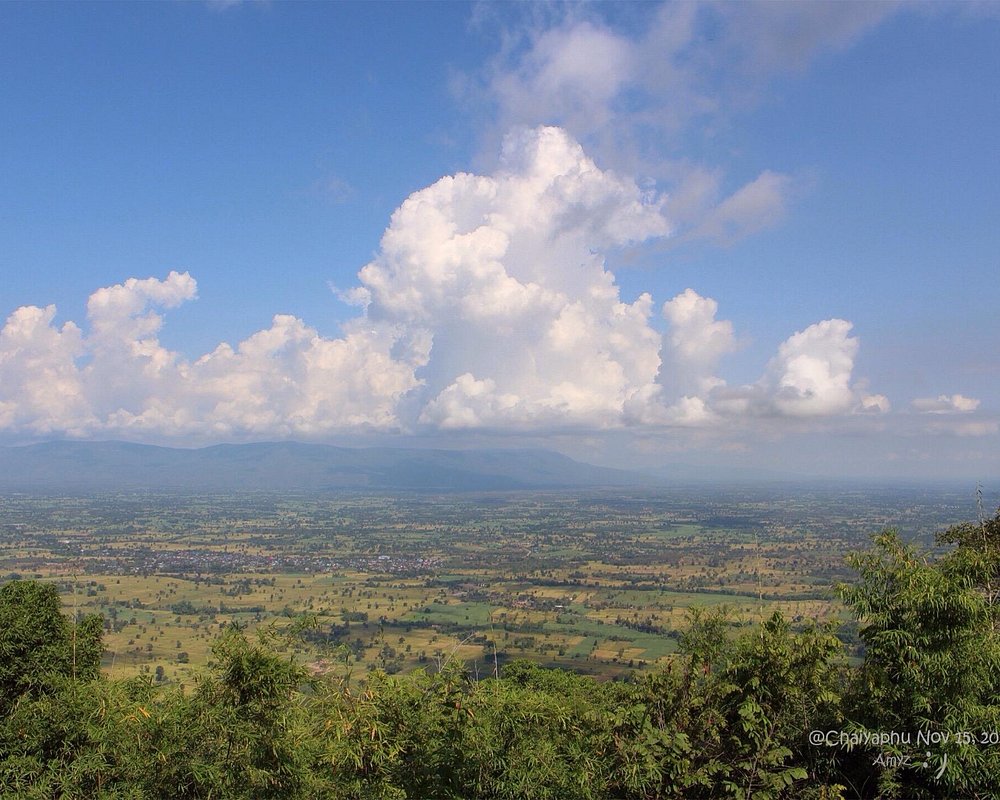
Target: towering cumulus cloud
pixel 504 275
pixel 488 306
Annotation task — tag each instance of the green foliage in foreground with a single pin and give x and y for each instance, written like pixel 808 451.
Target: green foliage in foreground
pixel 730 718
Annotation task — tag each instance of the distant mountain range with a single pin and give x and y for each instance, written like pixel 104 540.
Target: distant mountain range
pixel 284 466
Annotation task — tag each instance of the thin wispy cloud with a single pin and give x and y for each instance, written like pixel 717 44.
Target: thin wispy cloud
pixel 635 98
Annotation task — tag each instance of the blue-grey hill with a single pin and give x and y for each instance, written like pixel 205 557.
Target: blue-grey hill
pixel 292 466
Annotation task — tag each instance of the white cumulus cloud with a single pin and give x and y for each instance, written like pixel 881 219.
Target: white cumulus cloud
pixel 946 404
pixel 119 380
pixel 809 377
pixel 488 306
pixel 811 374
pixel 40 387
pixel 635 92
pixel 504 274
pixel 874 404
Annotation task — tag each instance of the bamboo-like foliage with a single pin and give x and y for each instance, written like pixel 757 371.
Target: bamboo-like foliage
pixel 932 663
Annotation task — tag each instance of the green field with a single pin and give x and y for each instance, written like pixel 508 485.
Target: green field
pixel 596 582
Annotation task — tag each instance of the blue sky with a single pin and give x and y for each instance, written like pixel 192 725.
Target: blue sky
pixel 760 235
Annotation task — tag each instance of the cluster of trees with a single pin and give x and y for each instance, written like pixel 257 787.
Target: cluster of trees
pixel 730 718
